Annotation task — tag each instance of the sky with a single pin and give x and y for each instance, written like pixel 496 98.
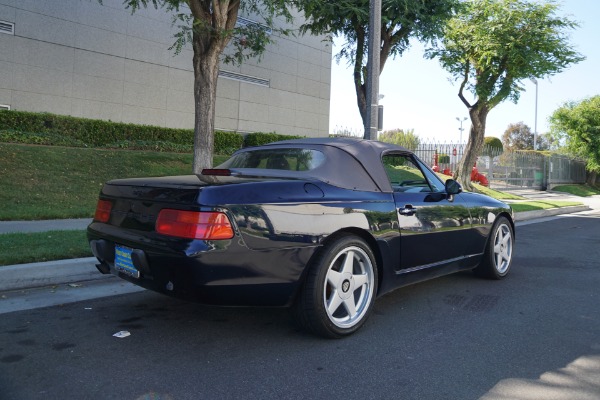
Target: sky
pixel 420 95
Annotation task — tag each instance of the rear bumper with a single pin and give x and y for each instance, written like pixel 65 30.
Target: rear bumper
pixel 229 276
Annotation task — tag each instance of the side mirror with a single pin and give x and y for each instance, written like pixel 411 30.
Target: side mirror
pixel 453 187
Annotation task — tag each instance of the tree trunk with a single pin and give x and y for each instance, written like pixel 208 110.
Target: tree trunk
pixel 206 74
pixel 474 146
pixel 591 178
pixel 359 86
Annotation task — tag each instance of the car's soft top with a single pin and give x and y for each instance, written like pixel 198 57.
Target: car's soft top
pixel 351 163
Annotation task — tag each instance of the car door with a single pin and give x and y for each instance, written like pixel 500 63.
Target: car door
pixel 433 224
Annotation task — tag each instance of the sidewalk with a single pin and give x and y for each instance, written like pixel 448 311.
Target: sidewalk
pixel 592 202
pixel 60 272
pixel 44 226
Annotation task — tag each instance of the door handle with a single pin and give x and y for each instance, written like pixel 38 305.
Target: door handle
pixel 408 210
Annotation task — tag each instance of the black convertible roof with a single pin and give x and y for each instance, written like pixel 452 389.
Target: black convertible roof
pixel 368 153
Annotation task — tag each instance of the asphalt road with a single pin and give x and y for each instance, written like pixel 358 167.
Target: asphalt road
pixel 534 335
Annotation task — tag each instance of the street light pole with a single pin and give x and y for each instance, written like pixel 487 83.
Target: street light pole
pixel 374 49
pixel 536 109
pixel 461 129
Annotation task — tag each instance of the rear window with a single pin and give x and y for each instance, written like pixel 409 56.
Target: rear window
pixel 293 159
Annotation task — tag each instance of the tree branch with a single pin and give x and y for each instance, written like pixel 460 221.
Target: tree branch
pixel 502 93
pixel 197 9
pixel 462 87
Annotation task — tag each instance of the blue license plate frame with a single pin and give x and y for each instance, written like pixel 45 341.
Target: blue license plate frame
pixel 123 261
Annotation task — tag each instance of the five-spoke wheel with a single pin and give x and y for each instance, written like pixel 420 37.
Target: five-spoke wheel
pixel 340 288
pixel 498 256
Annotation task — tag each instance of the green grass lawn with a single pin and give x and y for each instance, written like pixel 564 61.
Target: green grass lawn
pixel 19 248
pixel 497 194
pixel 47 182
pixel 578 190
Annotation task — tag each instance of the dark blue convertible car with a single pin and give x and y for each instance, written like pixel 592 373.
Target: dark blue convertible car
pixel 322 225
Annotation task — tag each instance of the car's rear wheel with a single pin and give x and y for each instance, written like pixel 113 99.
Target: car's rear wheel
pixel 340 288
pixel 498 255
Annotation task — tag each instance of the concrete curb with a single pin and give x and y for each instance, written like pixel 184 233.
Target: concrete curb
pixel 527 215
pixel 26 276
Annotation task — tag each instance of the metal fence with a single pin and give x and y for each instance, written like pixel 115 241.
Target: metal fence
pixel 507 169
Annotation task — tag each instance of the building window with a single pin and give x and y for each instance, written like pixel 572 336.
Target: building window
pixel 7 27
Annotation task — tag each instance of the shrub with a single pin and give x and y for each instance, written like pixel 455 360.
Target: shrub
pixel 48 139
pixel 226 143
pixel 443 159
pixel 260 138
pixel 492 146
pixel 89 131
pixel 60 130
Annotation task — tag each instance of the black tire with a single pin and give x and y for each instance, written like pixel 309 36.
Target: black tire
pixel 497 258
pixel 340 289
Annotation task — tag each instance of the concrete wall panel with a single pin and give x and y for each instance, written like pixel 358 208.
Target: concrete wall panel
pixel 99 40
pixel 228 88
pixel 228 108
pixel 144 96
pixel 7 75
pixel 309 87
pixel 144 116
pixel 7 13
pixel 180 120
pixel 107 18
pixel 37 102
pixel 147 51
pixel 180 80
pixel 98 61
pixel 227 124
pixel 44 28
pixel 180 101
pixel 97 109
pixel 7 46
pixel 253 112
pixel 283 81
pixel 160 32
pixel 182 60
pixel 95 88
pixel 254 94
pixel 6 97
pixel 281 116
pixel 41 80
pixel 45 55
pixel 98 65
pixel 146 74
pixel 54 9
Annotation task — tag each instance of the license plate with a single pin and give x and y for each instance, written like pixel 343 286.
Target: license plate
pixel 123 262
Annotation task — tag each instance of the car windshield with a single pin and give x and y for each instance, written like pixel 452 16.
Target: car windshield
pixel 292 159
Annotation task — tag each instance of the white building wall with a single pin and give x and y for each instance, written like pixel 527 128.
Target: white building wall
pixel 80 58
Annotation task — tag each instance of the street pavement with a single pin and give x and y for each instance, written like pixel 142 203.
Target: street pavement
pixel 65 272
pixel 533 335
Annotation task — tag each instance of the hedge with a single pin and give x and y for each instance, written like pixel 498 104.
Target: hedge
pixel 61 130
pixel 260 138
pixel 94 133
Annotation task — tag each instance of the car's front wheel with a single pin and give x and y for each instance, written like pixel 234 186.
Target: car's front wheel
pixel 340 288
pixel 497 258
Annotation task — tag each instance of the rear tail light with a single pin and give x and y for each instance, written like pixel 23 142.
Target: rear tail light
pixel 103 211
pixel 194 224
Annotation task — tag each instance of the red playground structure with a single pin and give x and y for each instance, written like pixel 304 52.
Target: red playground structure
pixel 476 176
